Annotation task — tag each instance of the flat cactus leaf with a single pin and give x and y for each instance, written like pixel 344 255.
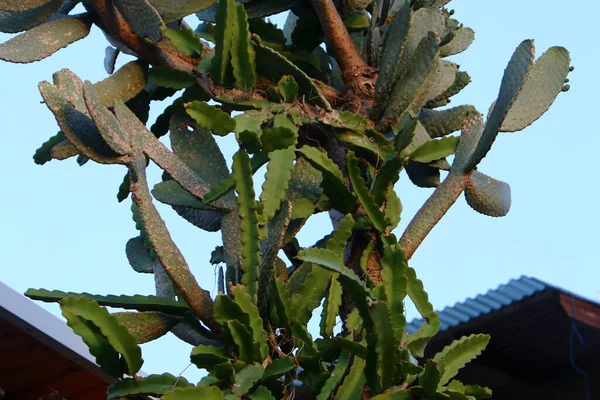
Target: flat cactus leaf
pixel 278 138
pixel 260 393
pixel 45 40
pixel 458 353
pixel 445 78
pixel 208 220
pixel 392 58
pixel 243 58
pixel 336 376
pixel 305 182
pixel 171 78
pixel 44 153
pixel 416 342
pixel 441 123
pixel 242 298
pixel 110 59
pixel 307 33
pixel 371 208
pixel 151 385
pixel 387 175
pixel 460 82
pixel 463 37
pixel 274 66
pixel 147 326
pixel 193 393
pixel 251 121
pixel 211 118
pixel 288 87
pixel 333 180
pixel 365 146
pixel 227 309
pixel 220 64
pixel 309 294
pixel 249 141
pixel 63 150
pixel 246 378
pixel 86 311
pixel 412 91
pixel 423 21
pixel 487 195
pixel 331 308
pixel 206 31
pixel 98 344
pixel 171 193
pixel 21 5
pixel 477 391
pixel 207 356
pixel 106 122
pixel 136 302
pixel 161 124
pixel 143 19
pixel 270 248
pixel 123 85
pixel 393 209
pixel 407 130
pixel 394 280
pixel 226 185
pixel 279 170
pixel 435 149
pixel 242 174
pixel 247 349
pixel 544 82
pixel 515 76
pixel 357 21
pixel 18 21
pixel 77 126
pixel 429 379
pixel 332 261
pixel 352 385
pixel 472 129
pixel 185 40
pixel 267 31
pixel 139 257
pixel 423 175
pixel 173 11
pixel 385 346
pixel 198 149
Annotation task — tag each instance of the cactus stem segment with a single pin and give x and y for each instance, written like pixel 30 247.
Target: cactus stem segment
pixel 432 212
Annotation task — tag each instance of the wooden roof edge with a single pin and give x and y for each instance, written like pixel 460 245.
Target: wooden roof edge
pixel 48 329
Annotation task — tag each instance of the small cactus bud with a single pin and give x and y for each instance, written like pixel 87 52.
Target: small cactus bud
pixel 565 88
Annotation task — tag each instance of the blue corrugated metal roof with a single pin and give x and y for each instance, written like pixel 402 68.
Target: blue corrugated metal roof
pixel 482 304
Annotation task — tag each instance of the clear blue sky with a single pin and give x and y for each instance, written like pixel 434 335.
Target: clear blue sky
pixel 62 228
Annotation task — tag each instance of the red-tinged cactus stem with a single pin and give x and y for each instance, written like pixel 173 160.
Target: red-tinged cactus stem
pixel 169 255
pixel 354 69
pixel 432 212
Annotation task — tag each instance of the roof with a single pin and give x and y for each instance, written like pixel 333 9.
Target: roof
pixel 45 355
pixel 495 299
pixel 545 341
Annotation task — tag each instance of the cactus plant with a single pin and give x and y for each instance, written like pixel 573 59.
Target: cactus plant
pixel 335 128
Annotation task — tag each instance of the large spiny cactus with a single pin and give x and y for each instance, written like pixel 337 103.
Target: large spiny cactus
pixel 335 129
